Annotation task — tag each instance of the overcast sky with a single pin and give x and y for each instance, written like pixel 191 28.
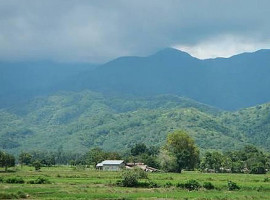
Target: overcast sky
pixel 97 31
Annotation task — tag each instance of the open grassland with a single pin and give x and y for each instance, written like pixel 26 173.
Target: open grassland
pixel 74 183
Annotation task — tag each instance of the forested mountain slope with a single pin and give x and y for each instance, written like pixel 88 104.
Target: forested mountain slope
pixel 253 122
pixel 20 81
pixel 77 121
pixel 228 83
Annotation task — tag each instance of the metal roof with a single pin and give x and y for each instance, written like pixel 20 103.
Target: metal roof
pixel 99 165
pixel 112 162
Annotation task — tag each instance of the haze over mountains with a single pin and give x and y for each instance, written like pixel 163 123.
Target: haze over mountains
pixel 227 83
pixel 47 105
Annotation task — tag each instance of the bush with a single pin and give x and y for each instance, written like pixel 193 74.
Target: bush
pixel 141 174
pixel 190 185
pixel 39 180
pixel 1 180
pixel 15 180
pixel 21 194
pixel 130 178
pixel 36 165
pixel 208 186
pixel 17 195
pixel 266 179
pixel 8 196
pixel 152 184
pixel 168 184
pixel 258 170
pixel 232 186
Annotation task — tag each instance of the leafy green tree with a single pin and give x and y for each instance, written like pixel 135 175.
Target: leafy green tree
pixel 112 156
pixel 25 158
pixel 130 178
pixel 167 161
pixel 181 146
pixel 6 160
pixel 95 156
pixel 138 149
pixel 37 165
pixel 212 161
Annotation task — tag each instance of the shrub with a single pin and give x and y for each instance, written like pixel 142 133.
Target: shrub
pixel 1 180
pixel 208 186
pixel 130 178
pixel 257 170
pixel 8 196
pixel 15 180
pixel 168 184
pixel 148 184
pixel 17 195
pixel 37 165
pixel 21 194
pixel 190 185
pixel 141 174
pixel 152 184
pixel 180 185
pixel 266 179
pixel 233 186
pixel 39 180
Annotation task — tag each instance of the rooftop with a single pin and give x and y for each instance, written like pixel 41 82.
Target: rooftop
pixel 110 162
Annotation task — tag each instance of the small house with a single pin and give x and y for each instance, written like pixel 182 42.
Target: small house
pixel 111 165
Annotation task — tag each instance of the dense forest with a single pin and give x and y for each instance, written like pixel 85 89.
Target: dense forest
pixel 178 153
pixel 78 121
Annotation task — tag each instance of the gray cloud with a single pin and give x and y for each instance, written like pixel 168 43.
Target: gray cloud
pixel 85 30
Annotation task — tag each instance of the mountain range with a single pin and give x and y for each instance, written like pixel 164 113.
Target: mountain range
pixel 228 83
pixel 222 102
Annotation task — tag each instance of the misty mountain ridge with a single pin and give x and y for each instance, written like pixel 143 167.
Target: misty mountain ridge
pixel 228 83
pixel 47 105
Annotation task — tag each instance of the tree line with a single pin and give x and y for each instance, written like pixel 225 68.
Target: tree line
pixel 179 153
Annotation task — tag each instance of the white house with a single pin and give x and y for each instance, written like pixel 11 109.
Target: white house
pixel 111 165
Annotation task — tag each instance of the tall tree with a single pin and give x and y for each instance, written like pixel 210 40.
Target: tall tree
pixel 6 160
pixel 181 146
pixel 25 158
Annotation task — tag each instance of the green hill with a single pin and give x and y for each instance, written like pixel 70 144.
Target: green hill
pixel 77 121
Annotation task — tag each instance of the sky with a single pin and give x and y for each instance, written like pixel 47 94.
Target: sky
pixel 97 31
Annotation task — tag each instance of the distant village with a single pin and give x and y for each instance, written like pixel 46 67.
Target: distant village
pixel 117 165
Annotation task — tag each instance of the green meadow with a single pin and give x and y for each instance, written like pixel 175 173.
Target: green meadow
pixel 83 183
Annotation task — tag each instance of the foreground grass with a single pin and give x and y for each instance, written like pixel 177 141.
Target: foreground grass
pixel 70 183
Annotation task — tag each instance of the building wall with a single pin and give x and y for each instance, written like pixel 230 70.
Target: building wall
pixel 112 167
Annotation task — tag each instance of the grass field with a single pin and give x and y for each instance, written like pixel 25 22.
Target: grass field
pixel 72 183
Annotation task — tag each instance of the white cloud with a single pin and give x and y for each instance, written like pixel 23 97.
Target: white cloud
pixel 223 46
pixel 97 30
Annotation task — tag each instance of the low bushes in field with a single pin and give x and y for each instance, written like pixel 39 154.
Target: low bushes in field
pixel 208 186
pixel 19 180
pixel 18 195
pixel 130 178
pixel 148 184
pixel 39 180
pixel 168 184
pixel 190 185
pixel 14 180
pixel 141 174
pixel 233 186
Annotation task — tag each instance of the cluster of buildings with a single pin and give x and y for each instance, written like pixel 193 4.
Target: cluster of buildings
pixel 116 165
